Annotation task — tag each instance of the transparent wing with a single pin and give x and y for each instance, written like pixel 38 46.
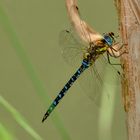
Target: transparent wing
pixel 74 42
pixel 96 79
pixel 92 80
pixel 72 50
pixel 103 67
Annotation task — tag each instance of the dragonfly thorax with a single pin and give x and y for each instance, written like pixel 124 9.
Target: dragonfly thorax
pixel 94 51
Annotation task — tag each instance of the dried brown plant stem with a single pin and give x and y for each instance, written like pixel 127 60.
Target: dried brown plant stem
pixel 129 20
pixel 84 31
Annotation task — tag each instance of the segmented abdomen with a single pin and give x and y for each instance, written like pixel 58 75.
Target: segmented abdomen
pixel 84 66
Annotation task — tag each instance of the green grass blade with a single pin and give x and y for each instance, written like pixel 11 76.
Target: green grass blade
pixel 38 85
pixel 5 134
pixel 19 118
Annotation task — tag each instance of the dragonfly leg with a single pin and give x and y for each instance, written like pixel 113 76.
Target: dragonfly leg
pixel 108 58
pixel 122 45
pixel 109 61
pixel 117 50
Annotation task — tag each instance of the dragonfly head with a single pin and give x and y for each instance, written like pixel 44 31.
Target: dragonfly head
pixel 109 38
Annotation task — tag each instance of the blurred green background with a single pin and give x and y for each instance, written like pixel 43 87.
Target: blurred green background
pixel 32 72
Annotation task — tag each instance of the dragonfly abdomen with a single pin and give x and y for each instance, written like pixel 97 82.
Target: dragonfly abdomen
pixel 84 66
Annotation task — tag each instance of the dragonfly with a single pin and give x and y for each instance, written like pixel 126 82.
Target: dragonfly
pixel 92 52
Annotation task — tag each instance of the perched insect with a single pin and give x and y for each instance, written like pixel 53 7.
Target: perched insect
pixel 91 53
